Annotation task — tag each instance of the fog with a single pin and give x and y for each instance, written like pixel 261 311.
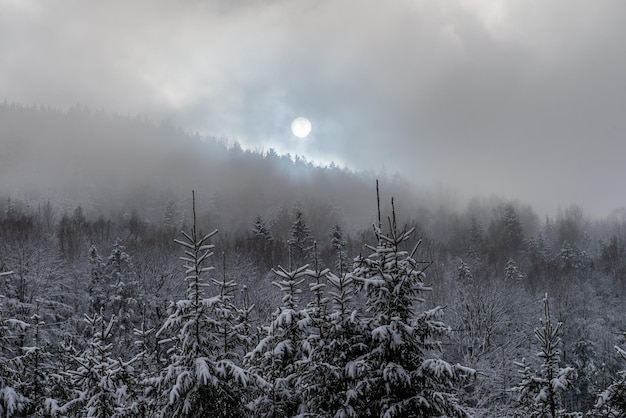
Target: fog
pixel 517 98
pixel 114 166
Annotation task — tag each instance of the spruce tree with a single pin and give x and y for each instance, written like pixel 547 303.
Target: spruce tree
pixel 227 315
pixel 198 381
pixel 330 376
pixel 114 287
pixel 35 366
pixel 140 405
pixel 244 321
pixel 512 274
pixel 98 291
pixel 123 289
pixel 401 373
pixel 301 241
pixel 99 381
pixel 611 402
pixel 277 360
pixel 12 402
pixel 540 393
pixel 338 245
pixel 262 242
pixel 313 377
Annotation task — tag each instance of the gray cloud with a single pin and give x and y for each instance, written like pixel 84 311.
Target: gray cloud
pixel 520 98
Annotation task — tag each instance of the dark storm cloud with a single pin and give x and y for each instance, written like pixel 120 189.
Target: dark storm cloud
pixel 520 98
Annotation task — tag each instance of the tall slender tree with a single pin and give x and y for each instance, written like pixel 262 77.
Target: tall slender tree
pixel 301 242
pixel 540 396
pixel 197 380
pixel 338 245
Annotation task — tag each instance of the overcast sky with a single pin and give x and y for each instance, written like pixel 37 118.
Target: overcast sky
pixel 523 98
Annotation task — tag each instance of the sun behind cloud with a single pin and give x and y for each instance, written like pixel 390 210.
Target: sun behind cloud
pixel 301 127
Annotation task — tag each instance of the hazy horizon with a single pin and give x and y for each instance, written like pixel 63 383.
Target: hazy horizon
pixel 509 98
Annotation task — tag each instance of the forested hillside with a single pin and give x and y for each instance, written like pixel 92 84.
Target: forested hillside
pixel 113 164
pixel 308 301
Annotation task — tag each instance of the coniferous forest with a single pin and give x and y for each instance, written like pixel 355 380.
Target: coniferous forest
pixel 155 273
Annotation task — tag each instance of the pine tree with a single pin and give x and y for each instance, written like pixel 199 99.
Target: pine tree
pixel 301 240
pixel 12 402
pixel 529 386
pixel 330 377
pixel 513 232
pixel 123 291
pixel 140 405
pixel 465 273
pixel 260 231
pixel 612 401
pixel 540 395
pixel 314 376
pixel 401 374
pixel 226 313
pixel 100 382
pixel 34 366
pixel 98 286
pixel 196 382
pixel 278 358
pixel 476 248
pixel 262 242
pixel 338 245
pixel 512 274
pixel 506 236
pixel 170 216
pixel 114 288
pixel 244 321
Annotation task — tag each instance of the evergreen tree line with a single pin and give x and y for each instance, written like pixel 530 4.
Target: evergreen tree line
pixel 323 358
pixel 339 336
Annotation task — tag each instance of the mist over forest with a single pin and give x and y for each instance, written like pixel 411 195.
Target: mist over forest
pixel 114 164
pixel 176 240
pixel 310 281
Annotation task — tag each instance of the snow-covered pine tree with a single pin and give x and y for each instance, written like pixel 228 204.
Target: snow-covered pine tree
pixel 12 402
pixel 465 273
pixel 338 245
pixel 277 360
pixel 401 374
pixel 318 306
pixel 195 382
pixel 245 322
pixel 330 376
pixel 313 378
pixel 512 274
pixel 123 291
pixel 140 405
pixel 528 388
pixel 540 394
pixel 114 288
pixel 60 379
pixel 261 232
pixel 34 367
pixel 226 312
pixel 97 286
pixel 611 402
pixel 301 240
pixel 100 382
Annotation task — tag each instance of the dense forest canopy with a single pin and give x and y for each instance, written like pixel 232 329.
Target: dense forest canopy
pixel 293 292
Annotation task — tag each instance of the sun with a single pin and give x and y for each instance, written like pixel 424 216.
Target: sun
pixel 301 127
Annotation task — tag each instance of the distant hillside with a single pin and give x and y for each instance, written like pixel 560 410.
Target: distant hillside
pixel 110 164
